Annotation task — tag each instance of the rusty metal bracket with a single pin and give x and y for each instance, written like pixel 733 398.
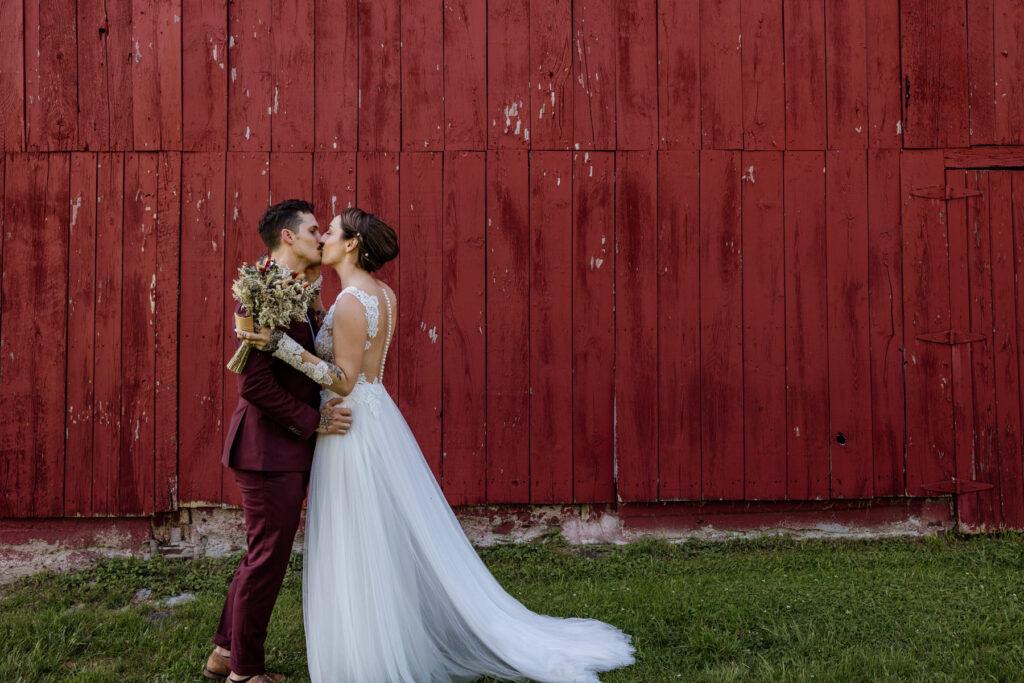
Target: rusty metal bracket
pixel 944 192
pixel 957 486
pixel 951 337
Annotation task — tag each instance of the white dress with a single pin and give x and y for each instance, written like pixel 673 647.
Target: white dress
pixel 392 589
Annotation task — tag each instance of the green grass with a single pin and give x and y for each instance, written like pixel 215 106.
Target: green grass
pixel 937 609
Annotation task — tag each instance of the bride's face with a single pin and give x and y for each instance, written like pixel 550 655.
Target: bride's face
pixel 335 246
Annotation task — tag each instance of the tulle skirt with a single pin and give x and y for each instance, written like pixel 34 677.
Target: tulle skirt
pixel 394 592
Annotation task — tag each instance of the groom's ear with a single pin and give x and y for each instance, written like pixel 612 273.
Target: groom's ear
pixel 287 236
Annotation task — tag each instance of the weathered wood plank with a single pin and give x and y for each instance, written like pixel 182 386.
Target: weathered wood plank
pixel 679 75
pixel 336 89
pixel 380 96
pixel 168 248
pixel 204 38
pixel 885 310
pixel 763 73
pixel 1009 71
pixel 135 486
pixel 807 390
pixel 721 80
pixel 551 90
pixel 202 323
pixel 78 463
pixel 805 74
pixel 981 56
pixel 508 327
pixel 463 350
pixel 926 309
pixel 32 363
pixel 422 78
pixel 721 331
pixel 106 54
pixel 51 79
pixel 679 459
pixel 960 319
pixel 636 325
pixel 508 75
pixel 551 367
pixel 764 327
pixel 593 323
pixel 109 326
pixel 156 75
pixel 885 111
pixel 291 125
pixel 12 76
pixel 593 72
pixel 334 190
pixel 986 506
pixel 934 60
pixel 849 359
pixel 291 176
pixel 420 316
pixel 636 76
pixel 1005 269
pixel 251 75
pixel 465 74
pixel 846 74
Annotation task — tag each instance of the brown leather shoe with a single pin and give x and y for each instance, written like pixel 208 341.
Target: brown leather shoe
pixel 217 667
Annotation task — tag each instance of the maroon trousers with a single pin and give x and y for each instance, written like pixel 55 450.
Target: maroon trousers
pixel 272 502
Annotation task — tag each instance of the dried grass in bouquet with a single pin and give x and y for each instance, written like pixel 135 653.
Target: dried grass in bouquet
pixel 273 296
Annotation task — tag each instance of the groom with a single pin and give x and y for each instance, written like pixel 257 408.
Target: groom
pixel 269 449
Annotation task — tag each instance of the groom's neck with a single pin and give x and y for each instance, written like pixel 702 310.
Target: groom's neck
pixel 288 259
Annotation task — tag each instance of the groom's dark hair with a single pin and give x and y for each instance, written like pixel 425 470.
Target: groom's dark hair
pixel 281 216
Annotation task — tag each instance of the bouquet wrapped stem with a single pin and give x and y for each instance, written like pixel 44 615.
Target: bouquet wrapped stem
pixel 272 296
pixel 237 362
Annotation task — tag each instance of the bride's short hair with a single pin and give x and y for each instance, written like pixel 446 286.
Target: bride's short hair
pixel 378 243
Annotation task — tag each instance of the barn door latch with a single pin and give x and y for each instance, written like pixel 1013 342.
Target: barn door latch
pixel 944 192
pixel 951 337
pixel 957 486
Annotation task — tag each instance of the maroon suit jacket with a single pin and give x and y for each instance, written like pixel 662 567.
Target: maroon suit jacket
pixel 273 428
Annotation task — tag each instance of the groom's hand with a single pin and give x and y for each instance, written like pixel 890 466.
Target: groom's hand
pixel 334 419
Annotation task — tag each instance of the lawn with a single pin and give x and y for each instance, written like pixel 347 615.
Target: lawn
pixel 946 608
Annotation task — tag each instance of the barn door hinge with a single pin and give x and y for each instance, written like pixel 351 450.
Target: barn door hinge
pixel 944 192
pixel 957 486
pixel 951 337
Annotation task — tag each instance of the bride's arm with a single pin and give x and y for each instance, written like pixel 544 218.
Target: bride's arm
pixel 349 339
pixel 280 345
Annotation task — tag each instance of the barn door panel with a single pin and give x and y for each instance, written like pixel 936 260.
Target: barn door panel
pixel 989 436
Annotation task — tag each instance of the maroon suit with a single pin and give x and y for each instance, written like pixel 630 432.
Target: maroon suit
pixel 269 448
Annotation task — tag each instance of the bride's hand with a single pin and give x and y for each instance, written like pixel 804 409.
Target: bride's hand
pixel 260 338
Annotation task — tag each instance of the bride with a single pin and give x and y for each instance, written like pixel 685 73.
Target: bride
pixel 392 588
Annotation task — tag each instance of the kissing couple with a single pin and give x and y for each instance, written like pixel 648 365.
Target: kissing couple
pixel 392 590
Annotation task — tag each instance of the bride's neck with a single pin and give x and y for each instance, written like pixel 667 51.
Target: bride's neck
pixel 351 275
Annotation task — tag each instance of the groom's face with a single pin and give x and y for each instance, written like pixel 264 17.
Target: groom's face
pixel 305 239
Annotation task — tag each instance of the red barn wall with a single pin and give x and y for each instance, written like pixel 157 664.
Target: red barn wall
pixel 651 250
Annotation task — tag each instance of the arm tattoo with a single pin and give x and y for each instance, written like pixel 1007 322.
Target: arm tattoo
pixel 275 339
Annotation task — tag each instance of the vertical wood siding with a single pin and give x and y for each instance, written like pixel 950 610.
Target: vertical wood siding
pixel 651 249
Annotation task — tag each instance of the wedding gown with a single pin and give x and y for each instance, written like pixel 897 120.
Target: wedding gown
pixel 392 589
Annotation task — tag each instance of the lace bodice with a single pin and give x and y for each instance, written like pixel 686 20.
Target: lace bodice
pixel 324 344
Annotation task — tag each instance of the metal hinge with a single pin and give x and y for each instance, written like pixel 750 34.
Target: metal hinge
pixel 951 337
pixel 944 192
pixel 957 486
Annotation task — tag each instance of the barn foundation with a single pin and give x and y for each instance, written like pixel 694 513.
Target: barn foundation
pixel 29 546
